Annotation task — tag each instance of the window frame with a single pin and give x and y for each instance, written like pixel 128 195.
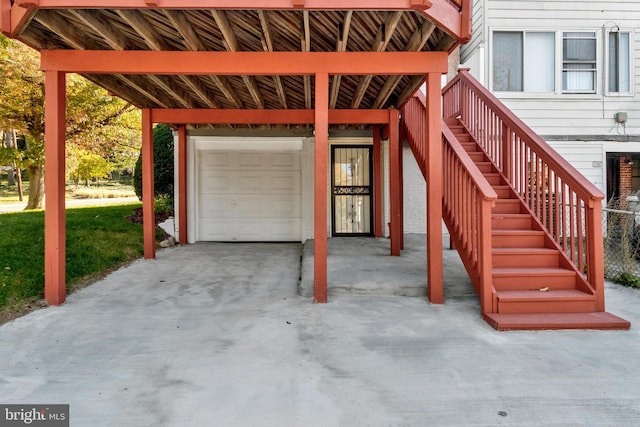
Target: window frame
pixel 562 36
pixel 600 70
pixel 606 70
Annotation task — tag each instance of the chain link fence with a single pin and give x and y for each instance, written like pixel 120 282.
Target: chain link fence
pixel 621 245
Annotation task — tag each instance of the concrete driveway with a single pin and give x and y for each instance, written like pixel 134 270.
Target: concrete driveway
pixel 216 335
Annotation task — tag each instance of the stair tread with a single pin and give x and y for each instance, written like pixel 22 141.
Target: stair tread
pixel 537 271
pixel 524 250
pixel 534 321
pixel 537 295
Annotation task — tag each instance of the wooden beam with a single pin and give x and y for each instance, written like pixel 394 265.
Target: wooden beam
pixel 394 183
pixel 321 165
pixel 90 18
pixel 245 4
pixel 433 120
pixel 148 215
pixel 228 116
pixel 231 42
pixel 305 43
pixel 55 215
pixel 410 89
pixel 341 46
pixel 417 41
pixel 267 45
pixel 193 42
pixel 380 43
pixel 5 17
pixel 145 29
pixel 237 63
pixel 66 32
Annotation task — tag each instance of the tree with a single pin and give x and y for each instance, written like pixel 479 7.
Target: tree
pixel 90 166
pixel 162 164
pixel 96 121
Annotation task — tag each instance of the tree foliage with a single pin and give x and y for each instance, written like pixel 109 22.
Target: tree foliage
pixel 163 164
pixel 91 166
pixel 96 121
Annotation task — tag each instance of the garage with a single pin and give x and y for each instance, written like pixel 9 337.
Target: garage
pixel 247 194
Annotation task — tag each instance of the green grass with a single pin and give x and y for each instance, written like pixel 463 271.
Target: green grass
pixel 104 190
pixel 98 240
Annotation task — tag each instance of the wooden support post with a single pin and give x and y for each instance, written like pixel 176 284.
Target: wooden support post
pixel 401 190
pixel 378 215
pixel 182 184
pixel 55 288
pixel 435 292
pixel 148 213
pixel 320 188
pixel 394 183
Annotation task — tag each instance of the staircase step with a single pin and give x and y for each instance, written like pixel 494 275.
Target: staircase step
pixel 486 167
pixel 517 239
pixel 533 278
pixel 525 257
pixel 478 156
pixel 470 147
pixel 511 221
pixel 552 301
pixel 504 191
pixel 533 322
pixel 493 178
pixel 507 206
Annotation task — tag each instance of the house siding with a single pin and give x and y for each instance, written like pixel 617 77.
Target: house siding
pixel 478 33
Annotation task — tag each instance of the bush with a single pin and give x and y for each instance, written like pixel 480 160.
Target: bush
pixel 628 279
pixel 163 165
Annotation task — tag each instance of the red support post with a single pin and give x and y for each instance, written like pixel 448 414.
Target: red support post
pixel 182 184
pixel 378 215
pixel 435 292
pixel 320 188
pixel 148 213
pixel 394 183
pixel 55 288
pixel 401 190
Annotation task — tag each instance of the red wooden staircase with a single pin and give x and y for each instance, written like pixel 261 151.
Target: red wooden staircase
pixel 526 224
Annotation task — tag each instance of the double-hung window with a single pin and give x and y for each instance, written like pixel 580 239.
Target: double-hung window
pixel 579 67
pixel 618 62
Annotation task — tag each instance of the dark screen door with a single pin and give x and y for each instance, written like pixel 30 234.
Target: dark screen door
pixel 351 190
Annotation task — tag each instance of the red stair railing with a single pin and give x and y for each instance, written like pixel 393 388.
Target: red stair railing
pixel 467 199
pixel 565 203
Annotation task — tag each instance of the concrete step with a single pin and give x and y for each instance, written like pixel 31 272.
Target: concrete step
pixel 532 321
pixel 552 301
pixel 533 278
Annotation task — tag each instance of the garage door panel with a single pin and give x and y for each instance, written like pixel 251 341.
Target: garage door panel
pixel 249 195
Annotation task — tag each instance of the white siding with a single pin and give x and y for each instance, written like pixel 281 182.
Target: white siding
pixel 478 32
pixel 587 157
pixel 558 114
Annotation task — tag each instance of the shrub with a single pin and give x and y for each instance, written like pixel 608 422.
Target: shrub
pixel 628 279
pixel 163 165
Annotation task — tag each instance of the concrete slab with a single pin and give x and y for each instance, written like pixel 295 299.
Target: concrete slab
pixel 216 335
pixel 362 266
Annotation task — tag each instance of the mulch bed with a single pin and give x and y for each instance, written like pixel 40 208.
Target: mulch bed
pixel 136 218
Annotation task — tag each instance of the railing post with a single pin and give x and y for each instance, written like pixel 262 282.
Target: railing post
pixel 484 258
pixel 507 156
pixel 5 16
pixel 595 255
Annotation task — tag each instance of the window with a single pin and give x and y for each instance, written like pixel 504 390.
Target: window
pixel 619 64
pixel 579 62
pixel 523 61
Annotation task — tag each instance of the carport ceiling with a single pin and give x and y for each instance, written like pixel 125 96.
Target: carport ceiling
pixel 242 30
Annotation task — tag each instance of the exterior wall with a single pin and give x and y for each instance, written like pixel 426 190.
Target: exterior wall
pixel 581 127
pixel 415 194
pixel 562 114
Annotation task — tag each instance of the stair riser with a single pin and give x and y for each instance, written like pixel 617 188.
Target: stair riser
pixel 477 156
pixel 507 207
pixel 526 260
pixel 485 167
pixel 494 179
pixel 560 306
pixel 504 193
pixel 528 282
pixel 518 241
pixel 502 223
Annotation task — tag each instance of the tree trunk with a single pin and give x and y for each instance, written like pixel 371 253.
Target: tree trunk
pixel 36 188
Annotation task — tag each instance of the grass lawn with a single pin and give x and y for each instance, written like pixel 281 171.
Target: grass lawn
pixel 99 239
pixel 104 190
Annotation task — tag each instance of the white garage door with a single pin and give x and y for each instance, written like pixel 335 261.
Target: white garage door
pixel 249 195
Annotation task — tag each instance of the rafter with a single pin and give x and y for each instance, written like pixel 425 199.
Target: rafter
pixel 231 42
pixel 305 44
pixel 383 37
pixel 267 46
pixel 416 43
pixel 59 26
pixel 90 18
pixel 140 24
pixel 341 46
pixel 410 89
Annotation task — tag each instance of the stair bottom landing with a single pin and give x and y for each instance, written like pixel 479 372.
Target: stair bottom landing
pixel 545 321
